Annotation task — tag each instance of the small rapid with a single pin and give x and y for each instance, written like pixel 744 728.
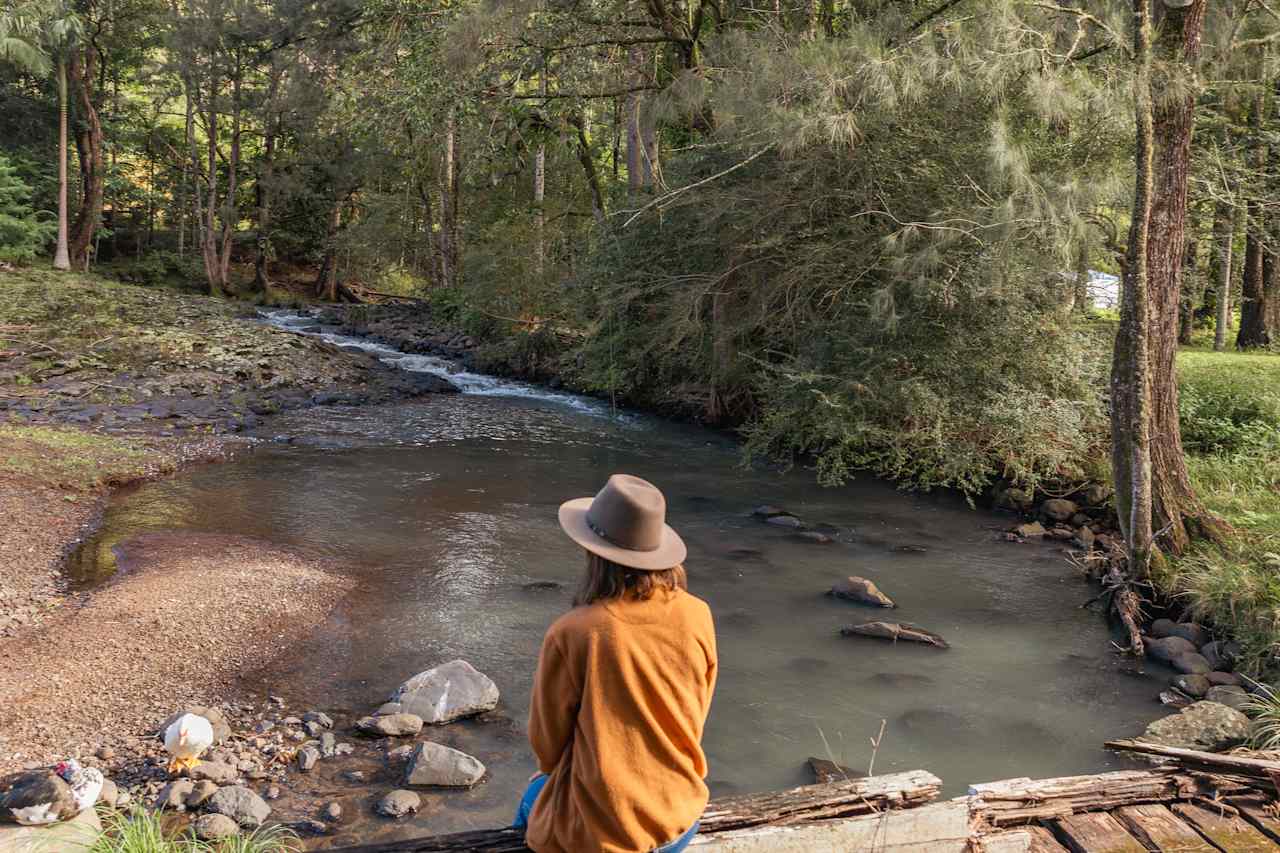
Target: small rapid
pixel 468 383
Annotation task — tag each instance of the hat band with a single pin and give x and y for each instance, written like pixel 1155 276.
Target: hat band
pixel 599 531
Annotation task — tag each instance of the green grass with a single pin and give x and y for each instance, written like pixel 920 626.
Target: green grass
pixel 139 831
pixel 1231 429
pixel 72 459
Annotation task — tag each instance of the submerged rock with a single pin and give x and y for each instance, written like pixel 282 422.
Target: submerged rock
pixel 214 827
pixel 828 771
pixel 399 804
pixel 447 692
pixel 391 725
pixel 1209 726
pixel 1030 530
pixel 438 765
pixel 895 631
pixel 862 591
pixel 788 521
pixel 768 511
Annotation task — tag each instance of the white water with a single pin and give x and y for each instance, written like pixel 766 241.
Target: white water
pixel 467 383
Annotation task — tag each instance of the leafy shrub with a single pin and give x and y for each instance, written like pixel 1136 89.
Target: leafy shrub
pixel 23 233
pixel 162 269
pixel 1227 409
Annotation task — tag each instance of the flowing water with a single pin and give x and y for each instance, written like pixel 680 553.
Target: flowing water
pixel 444 509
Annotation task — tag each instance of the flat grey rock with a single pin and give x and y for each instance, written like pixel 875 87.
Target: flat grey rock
pixel 241 805
pixel 391 725
pixel 399 804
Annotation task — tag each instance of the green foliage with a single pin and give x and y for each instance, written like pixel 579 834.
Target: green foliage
pixel 1264 707
pixel 23 233
pixel 141 831
pixel 161 268
pixel 1229 405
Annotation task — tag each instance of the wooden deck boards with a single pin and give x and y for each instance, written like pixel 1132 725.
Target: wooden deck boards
pixel 1160 829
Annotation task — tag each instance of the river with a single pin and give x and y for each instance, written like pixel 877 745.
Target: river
pixel 443 510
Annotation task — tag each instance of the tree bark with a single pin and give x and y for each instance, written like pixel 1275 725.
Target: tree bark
pixel 1253 330
pixel 589 167
pixel 1224 232
pixel 1192 293
pixel 327 279
pixel 1176 512
pixel 449 250
pixel 540 185
pixel 229 211
pixel 61 255
pixel 82 68
pixel 635 140
pixel 1130 368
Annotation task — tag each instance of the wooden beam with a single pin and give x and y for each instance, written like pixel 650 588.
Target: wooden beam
pixel 1252 809
pixel 1024 839
pixel 1095 832
pixel 1212 762
pixel 809 803
pixel 1226 831
pixel 1017 802
pixel 1158 828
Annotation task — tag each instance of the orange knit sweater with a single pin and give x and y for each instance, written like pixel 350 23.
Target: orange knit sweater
pixel 619 702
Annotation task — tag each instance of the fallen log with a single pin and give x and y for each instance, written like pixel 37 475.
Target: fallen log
pixel 806 804
pixel 1208 762
pixel 896 631
pixel 1016 802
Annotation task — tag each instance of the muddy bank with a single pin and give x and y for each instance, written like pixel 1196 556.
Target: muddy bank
pixel 188 617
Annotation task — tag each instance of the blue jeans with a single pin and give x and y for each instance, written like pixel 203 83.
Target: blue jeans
pixel 535 787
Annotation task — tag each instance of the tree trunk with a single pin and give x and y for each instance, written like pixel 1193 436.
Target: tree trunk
pixel 1130 368
pixel 589 167
pixel 230 212
pixel 1253 330
pixel 1224 232
pixel 1191 292
pixel 540 185
pixel 209 239
pixel 635 140
pixel 92 170
pixel 61 255
pixel 327 279
pixel 262 195
pixel 449 252
pixel 1176 511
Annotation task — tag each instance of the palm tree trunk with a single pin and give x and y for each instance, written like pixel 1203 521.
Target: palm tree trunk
pixel 61 256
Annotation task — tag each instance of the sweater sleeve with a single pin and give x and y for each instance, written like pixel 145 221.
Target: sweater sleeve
pixel 553 707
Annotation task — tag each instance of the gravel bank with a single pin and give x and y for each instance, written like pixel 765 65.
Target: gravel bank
pixel 189 616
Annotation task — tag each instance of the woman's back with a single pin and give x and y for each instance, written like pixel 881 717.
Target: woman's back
pixel 619 702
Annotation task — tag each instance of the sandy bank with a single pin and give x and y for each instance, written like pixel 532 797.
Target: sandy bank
pixel 189 615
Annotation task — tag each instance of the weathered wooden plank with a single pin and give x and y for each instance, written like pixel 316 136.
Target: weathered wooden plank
pixel 809 803
pixel 1226 831
pixel 1212 762
pixel 938 828
pixel 1095 832
pixel 1251 809
pixel 1159 829
pixel 1024 839
pixel 1016 802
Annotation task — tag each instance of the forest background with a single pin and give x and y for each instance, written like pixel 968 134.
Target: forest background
pixel 859 231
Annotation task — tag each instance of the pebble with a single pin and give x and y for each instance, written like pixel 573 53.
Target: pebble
pixel 307 758
pixel 272 793
pixel 319 717
pixel 332 812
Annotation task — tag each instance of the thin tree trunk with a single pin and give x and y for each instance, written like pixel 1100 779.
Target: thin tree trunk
pixel 92 168
pixel 61 255
pixel 327 280
pixel 1130 370
pixel 635 142
pixel 1224 231
pixel 1192 294
pixel 589 168
pixel 1253 320
pixel 209 240
pixel 449 206
pixel 540 185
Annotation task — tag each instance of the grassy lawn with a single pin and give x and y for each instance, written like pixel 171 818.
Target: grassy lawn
pixel 1231 430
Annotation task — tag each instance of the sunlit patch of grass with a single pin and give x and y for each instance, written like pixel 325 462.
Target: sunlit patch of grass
pixel 1231 429
pixel 140 831
pixel 77 460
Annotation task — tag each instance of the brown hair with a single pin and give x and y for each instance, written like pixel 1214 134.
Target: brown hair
pixel 606 580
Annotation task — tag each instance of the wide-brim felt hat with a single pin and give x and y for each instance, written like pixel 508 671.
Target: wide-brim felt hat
pixel 626 523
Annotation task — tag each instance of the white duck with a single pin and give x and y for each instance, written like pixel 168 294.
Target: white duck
pixel 186 739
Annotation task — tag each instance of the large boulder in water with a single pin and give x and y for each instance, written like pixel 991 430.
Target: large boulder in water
pixel 447 692
pixel 1208 726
